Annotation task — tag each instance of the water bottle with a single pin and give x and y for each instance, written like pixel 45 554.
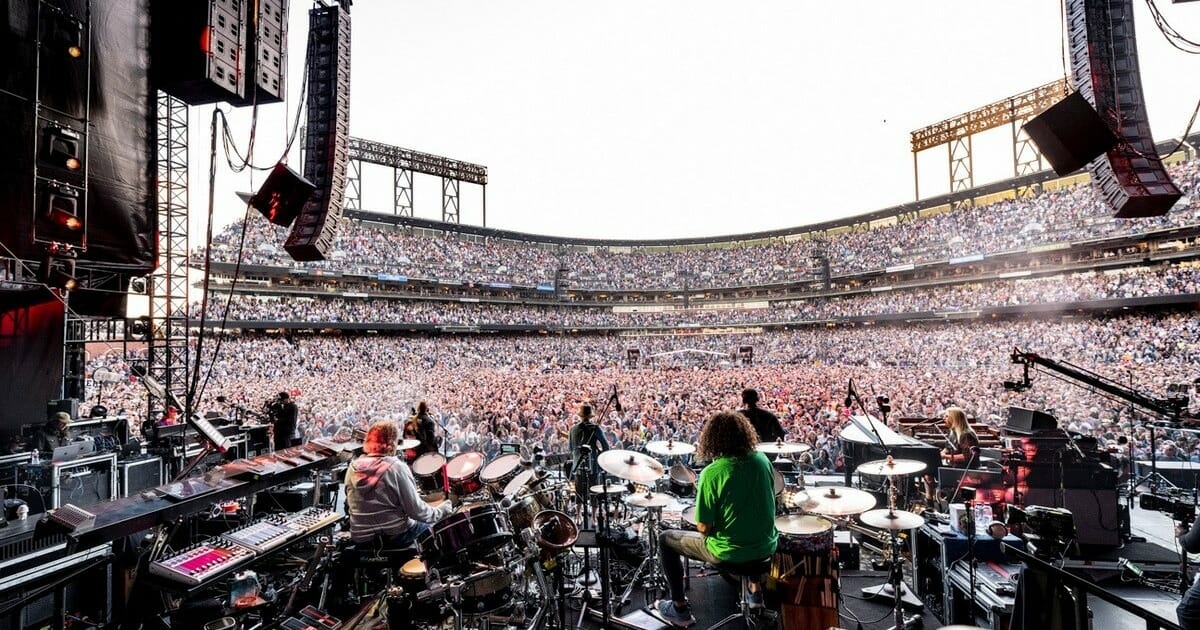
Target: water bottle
pixel 35 458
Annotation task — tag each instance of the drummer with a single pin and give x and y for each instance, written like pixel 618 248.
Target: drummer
pixel 735 511
pixel 766 424
pixel 381 496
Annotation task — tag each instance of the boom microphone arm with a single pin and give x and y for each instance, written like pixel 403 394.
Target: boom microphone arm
pixel 1160 406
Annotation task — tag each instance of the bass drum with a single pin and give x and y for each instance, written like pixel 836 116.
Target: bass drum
pixel 473 531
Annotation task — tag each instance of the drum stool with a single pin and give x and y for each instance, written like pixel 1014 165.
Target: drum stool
pixel 369 557
pixel 748 572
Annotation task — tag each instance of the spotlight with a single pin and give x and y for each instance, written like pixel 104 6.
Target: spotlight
pixel 61 147
pixel 63 32
pixel 60 220
pixel 139 328
pixel 58 273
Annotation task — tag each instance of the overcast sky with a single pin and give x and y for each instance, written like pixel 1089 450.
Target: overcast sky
pixel 665 118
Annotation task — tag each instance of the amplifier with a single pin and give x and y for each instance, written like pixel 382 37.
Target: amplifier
pixel 201 562
pixel 1097 515
pixel 139 474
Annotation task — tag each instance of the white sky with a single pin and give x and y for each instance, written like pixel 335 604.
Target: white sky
pixel 685 118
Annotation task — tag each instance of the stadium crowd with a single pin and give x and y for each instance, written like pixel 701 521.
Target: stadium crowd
pixel 1135 282
pixel 492 389
pixel 1054 216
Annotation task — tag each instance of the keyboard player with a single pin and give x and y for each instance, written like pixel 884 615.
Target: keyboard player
pixel 962 443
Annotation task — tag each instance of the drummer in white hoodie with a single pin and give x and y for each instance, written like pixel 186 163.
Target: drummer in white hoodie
pixel 381 495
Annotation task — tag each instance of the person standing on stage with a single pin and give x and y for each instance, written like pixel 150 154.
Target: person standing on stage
pixel 962 447
pixel 426 432
pixel 735 511
pixel 1188 610
pixel 586 433
pixel 381 495
pixel 285 420
pixel 765 424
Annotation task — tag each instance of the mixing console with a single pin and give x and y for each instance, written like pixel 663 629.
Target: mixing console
pixel 200 562
pixel 262 536
pixel 312 519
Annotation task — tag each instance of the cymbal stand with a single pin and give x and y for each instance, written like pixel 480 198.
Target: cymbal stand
pixel 603 538
pixel 896 578
pixel 654 580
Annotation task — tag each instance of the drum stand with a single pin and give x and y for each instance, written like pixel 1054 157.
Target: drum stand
pixel 654 578
pixel 895 586
pixel 603 538
pixel 896 581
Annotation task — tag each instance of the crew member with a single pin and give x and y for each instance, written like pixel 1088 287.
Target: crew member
pixel 285 418
pixel 735 511
pixel 962 445
pixel 765 424
pixel 586 433
pixel 53 434
pixel 1188 610
pixel 381 495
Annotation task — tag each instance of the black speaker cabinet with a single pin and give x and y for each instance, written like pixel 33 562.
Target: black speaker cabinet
pixel 1070 134
pixel 1028 421
pixel 140 474
pixel 1097 518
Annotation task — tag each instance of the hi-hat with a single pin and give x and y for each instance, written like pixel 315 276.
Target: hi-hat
pixel 631 466
pixel 612 488
pixel 892 520
pixel 670 447
pixel 839 501
pixel 407 444
pixel 891 467
pixel 648 500
pixel 780 447
pixel 802 524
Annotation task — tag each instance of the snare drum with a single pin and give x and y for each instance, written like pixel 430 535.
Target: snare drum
pixel 682 481
pixel 486 591
pixel 429 471
pixel 687 519
pixel 499 472
pixel 463 473
pixel 778 476
pixel 475 530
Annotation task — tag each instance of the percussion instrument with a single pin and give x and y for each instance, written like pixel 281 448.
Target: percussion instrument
pixel 687 518
pixel 839 501
pixel 804 572
pixel 892 520
pixel 780 447
pixel 554 531
pixel 891 467
pixel 500 471
pixel 405 445
pixel 631 466
pixel 795 498
pixel 474 530
pixel 777 481
pixel 612 488
pixel 486 591
pixel 429 471
pixel 649 500
pixel 670 447
pixel 521 514
pixel 682 481
pixel 462 472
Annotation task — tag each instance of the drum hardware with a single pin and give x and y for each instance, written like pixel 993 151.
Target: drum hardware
pixel 654 580
pixel 894 521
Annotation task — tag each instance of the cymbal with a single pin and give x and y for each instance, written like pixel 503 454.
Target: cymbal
pixel 891 467
pixel 892 520
pixel 783 448
pixel 839 501
pixel 670 447
pixel 631 466
pixel 407 444
pixel 798 499
pixel 613 488
pixel 801 524
pixel 649 499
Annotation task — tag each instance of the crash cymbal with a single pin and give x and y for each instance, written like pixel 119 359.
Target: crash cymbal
pixel 648 500
pixel 801 524
pixel 407 444
pixel 670 447
pixel 891 467
pixel 613 488
pixel 839 501
pixel 631 466
pixel 780 447
pixel 798 499
pixel 892 520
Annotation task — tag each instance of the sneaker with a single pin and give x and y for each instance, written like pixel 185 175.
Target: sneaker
pixel 754 599
pixel 672 615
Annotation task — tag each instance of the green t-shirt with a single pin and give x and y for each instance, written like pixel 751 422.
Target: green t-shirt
pixel 736 496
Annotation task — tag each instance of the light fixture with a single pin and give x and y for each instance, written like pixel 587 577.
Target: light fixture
pixel 62 147
pixel 59 219
pixel 58 271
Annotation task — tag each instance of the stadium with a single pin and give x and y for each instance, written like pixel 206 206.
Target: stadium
pixel 206 415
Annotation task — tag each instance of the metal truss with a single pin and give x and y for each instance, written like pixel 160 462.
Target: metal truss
pixel 957 131
pixel 167 348
pixel 450 200
pixel 402 192
pixel 354 186
pixel 962 168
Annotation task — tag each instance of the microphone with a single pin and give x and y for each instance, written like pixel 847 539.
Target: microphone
pixel 849 393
